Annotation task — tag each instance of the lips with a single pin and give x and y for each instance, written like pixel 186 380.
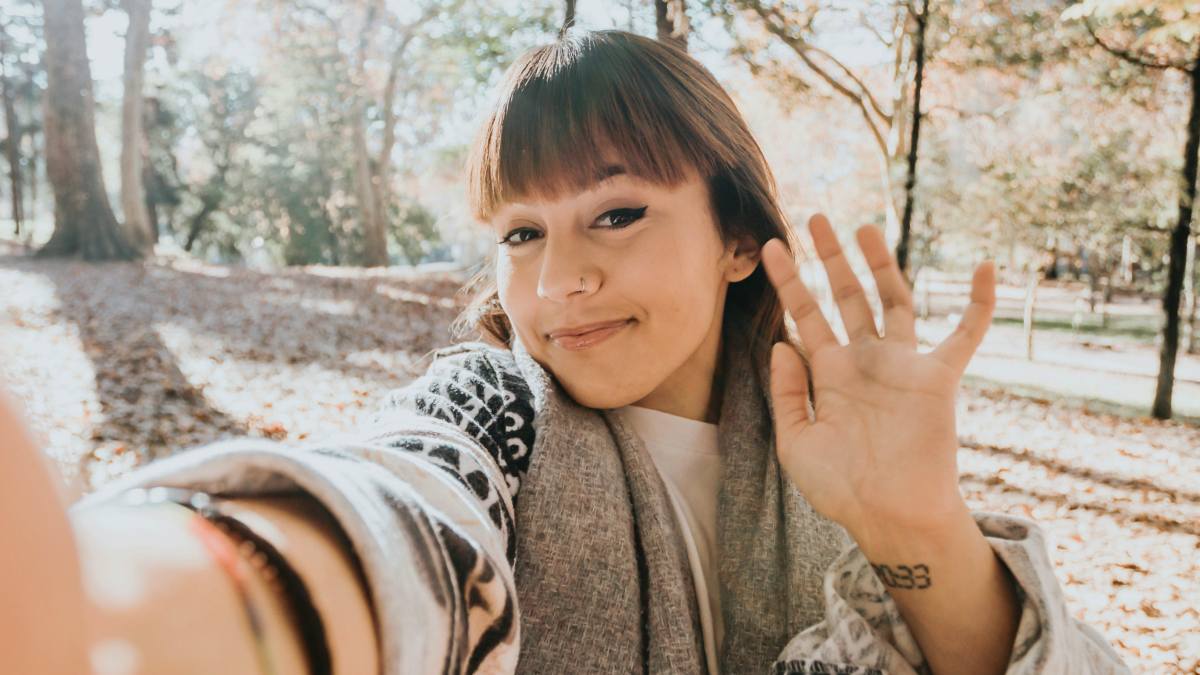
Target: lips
pixel 591 335
pixel 576 331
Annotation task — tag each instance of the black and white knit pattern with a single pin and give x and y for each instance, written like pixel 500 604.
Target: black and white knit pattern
pixel 471 386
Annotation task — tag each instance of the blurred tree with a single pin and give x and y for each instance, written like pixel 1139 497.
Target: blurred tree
pixel 899 26
pixel 919 13
pixel 160 171
pixel 219 107
pixel 1159 35
pixel 671 22
pixel 12 134
pixel 386 79
pixel 133 194
pixel 568 16
pixel 83 219
pixel 20 103
pixel 372 172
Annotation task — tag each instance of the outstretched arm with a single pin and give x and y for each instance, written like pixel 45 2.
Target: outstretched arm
pixel 134 589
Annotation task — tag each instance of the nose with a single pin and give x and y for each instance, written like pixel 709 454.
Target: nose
pixel 563 265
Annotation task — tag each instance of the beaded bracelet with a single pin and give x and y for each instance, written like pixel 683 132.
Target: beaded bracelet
pixel 273 568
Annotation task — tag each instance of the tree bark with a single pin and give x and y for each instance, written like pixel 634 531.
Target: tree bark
pixel 1189 296
pixel 1027 315
pixel 12 142
pixel 910 181
pixel 1178 254
pixel 670 18
pixel 83 219
pixel 568 16
pixel 133 192
pixel 365 178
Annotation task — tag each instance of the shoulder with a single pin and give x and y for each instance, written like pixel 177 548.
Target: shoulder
pixel 485 369
pixel 479 388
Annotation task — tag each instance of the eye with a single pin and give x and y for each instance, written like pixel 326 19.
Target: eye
pixel 508 238
pixel 619 218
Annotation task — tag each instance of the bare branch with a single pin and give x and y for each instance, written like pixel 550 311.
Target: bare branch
pixel 866 23
pixel 407 34
pixel 1124 54
pixel 801 48
pixel 854 78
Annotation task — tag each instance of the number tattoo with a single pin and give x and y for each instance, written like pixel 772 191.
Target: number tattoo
pixel 911 578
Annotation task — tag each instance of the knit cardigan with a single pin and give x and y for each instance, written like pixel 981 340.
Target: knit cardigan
pixel 463 577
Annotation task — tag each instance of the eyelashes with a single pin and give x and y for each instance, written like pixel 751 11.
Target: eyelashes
pixel 617 218
pixel 626 217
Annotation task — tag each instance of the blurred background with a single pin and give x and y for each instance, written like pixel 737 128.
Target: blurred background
pixel 247 217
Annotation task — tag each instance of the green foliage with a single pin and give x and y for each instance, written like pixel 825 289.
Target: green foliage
pixel 258 157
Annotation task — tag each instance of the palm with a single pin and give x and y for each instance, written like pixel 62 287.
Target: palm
pixel 880 443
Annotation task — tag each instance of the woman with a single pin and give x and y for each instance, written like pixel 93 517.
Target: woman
pixel 637 467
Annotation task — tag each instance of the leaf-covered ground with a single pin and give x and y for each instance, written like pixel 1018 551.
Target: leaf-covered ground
pixel 122 363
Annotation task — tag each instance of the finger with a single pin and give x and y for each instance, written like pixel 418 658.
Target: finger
pixel 898 318
pixel 957 349
pixel 789 388
pixel 814 331
pixel 851 300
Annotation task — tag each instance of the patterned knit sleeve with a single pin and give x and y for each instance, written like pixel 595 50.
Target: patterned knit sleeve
pixel 424 492
pixel 863 632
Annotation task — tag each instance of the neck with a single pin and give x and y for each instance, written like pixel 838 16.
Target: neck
pixel 694 390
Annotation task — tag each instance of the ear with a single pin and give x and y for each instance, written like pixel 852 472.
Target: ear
pixel 743 257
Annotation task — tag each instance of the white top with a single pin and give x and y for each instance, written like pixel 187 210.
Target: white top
pixel 686 453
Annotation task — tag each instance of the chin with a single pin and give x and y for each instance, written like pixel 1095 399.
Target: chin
pixel 597 396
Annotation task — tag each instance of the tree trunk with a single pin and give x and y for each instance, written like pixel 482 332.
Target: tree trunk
pixel 208 206
pixel 374 231
pixel 670 18
pixel 12 143
pixel 1178 254
pixel 1192 293
pixel 1028 314
pixel 910 180
pixel 83 219
pixel 133 192
pixel 366 180
pixel 569 16
pixel 35 160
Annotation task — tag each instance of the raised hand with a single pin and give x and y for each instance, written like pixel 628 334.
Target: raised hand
pixel 878 451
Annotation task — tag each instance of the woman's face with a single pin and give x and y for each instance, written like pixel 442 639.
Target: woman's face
pixel 648 255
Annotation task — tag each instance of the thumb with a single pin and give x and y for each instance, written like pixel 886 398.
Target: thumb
pixel 789 388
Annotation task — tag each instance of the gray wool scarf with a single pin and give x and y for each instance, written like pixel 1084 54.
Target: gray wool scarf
pixel 602 573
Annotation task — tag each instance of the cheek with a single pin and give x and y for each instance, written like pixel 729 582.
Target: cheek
pixel 517 291
pixel 677 279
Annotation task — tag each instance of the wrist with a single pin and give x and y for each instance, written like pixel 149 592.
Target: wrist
pixel 953 530
pixel 306 535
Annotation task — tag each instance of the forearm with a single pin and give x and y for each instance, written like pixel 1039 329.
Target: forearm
pixel 306 535
pixel 955 595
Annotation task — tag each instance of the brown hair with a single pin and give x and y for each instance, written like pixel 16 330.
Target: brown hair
pixel 567 107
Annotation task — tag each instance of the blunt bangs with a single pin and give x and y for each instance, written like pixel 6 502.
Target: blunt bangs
pixel 570 111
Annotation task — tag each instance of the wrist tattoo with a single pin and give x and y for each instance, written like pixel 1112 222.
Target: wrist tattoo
pixel 915 577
